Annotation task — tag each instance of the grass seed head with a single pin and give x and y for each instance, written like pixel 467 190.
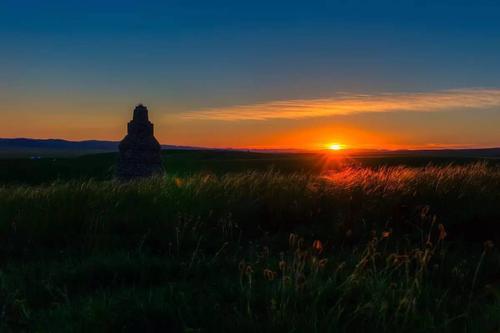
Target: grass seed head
pixel 442 232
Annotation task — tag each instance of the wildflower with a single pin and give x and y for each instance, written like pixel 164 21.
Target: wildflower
pixel 442 232
pixel 318 246
pixel 386 234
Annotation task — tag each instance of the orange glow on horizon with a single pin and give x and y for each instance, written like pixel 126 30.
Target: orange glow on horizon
pixel 337 136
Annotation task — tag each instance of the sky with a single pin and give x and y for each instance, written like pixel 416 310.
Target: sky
pixel 254 74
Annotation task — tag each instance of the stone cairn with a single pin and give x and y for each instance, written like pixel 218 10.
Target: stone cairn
pixel 139 150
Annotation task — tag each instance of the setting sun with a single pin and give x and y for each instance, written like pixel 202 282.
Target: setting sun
pixel 335 146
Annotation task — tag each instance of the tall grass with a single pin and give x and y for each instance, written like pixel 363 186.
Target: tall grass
pixel 358 249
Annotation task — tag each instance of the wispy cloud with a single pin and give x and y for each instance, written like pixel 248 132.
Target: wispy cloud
pixel 345 104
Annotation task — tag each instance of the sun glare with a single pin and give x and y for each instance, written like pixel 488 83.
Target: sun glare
pixel 335 146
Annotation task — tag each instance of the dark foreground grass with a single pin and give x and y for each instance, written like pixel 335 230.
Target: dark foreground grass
pixel 388 249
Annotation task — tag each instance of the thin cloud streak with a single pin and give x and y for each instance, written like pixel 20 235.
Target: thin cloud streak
pixel 346 104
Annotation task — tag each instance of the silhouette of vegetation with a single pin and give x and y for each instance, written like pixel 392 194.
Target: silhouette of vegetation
pixel 354 249
pixel 188 162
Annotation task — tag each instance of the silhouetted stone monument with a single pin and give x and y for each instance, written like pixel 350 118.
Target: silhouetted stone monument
pixel 139 150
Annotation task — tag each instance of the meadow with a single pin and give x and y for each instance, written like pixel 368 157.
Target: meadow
pixel 250 242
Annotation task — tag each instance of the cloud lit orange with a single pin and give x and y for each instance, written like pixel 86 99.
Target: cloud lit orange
pixel 345 104
pixel 466 118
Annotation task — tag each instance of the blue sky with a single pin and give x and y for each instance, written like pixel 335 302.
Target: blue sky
pixel 75 59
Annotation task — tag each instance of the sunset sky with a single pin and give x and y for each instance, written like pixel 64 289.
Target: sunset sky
pixel 261 74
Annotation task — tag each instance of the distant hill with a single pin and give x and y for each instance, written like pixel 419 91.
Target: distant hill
pixel 24 143
pixel 35 148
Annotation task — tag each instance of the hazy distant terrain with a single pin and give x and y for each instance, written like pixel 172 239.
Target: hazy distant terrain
pixel 24 147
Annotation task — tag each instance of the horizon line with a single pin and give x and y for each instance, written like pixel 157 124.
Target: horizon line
pixel 282 148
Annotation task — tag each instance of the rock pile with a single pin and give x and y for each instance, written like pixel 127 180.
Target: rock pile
pixel 139 150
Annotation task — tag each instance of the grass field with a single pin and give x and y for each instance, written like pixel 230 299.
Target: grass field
pixel 189 162
pixel 254 243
